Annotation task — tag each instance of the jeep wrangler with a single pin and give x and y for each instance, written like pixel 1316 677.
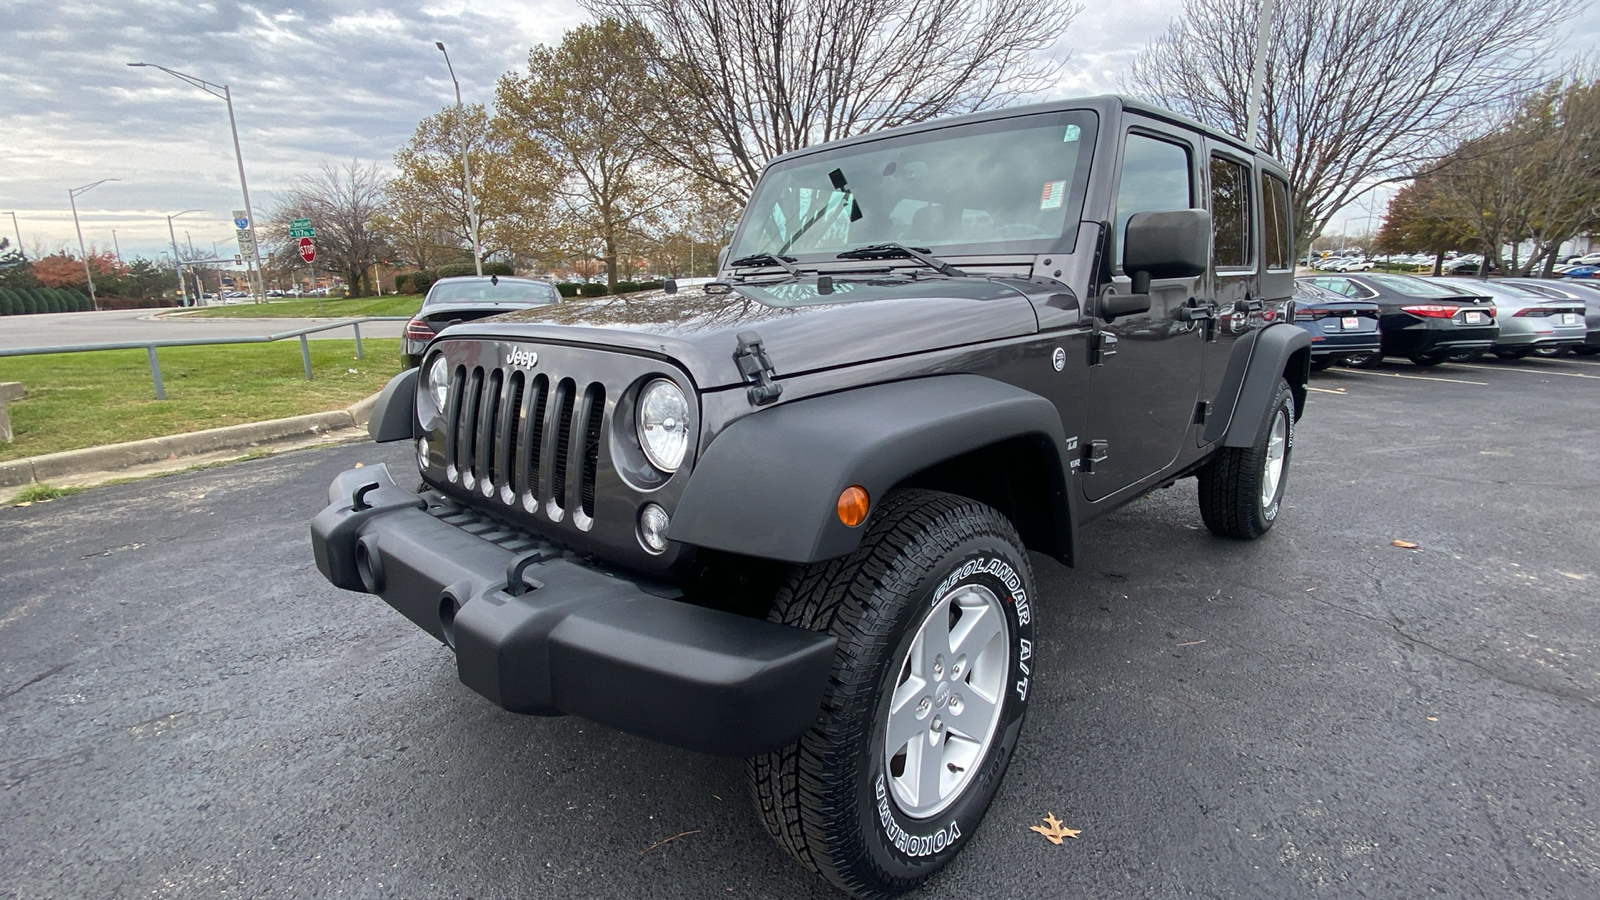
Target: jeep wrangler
pixel 785 515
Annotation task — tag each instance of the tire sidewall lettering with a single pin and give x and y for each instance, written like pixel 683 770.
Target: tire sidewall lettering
pixel 901 840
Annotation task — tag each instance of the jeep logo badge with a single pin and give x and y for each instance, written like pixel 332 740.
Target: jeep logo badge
pixel 525 358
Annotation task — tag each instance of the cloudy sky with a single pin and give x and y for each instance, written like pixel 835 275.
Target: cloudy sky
pixel 313 81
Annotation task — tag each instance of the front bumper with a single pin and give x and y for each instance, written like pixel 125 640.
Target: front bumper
pixel 578 639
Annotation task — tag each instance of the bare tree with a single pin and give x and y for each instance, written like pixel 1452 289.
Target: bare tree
pixel 1357 91
pixel 742 81
pixel 343 202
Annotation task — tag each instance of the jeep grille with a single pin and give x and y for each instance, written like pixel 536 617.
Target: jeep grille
pixel 520 438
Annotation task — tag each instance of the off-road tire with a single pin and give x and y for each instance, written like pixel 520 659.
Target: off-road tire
pixel 823 798
pixel 1231 483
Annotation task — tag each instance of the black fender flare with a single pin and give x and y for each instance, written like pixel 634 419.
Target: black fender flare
pixel 768 486
pixel 394 416
pixel 1252 376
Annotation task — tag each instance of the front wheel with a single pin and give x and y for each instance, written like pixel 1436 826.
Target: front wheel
pixel 1241 488
pixel 929 687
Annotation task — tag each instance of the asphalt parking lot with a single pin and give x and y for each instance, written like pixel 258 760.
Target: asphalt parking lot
pixel 188 710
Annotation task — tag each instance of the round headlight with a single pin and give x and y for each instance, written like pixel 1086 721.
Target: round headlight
pixel 437 390
pixel 663 424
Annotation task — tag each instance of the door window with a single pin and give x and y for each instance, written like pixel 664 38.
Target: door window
pixel 1155 178
pixel 1278 232
pixel 1230 214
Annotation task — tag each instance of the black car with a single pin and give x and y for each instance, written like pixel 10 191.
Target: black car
pixel 1582 290
pixel 1339 327
pixel 468 298
pixel 787 515
pixel 1421 319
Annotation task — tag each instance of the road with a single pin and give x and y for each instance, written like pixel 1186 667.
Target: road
pixel 187 709
pixel 59 329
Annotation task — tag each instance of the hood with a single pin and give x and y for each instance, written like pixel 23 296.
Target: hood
pixel 803 331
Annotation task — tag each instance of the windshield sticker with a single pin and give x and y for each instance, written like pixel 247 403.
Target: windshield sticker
pixel 1072 134
pixel 1054 193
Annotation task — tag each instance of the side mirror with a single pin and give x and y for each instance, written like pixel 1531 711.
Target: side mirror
pixel 1175 244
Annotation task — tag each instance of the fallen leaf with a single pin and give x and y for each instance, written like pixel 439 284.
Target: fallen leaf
pixel 359 465
pixel 1053 830
pixel 1433 718
pixel 1191 643
pixel 1405 545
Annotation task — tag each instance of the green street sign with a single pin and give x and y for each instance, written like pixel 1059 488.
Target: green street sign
pixel 301 228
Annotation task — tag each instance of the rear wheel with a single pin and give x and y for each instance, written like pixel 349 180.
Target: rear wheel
pixel 1548 352
pixel 1241 488
pixel 1364 360
pixel 926 698
pixel 1512 354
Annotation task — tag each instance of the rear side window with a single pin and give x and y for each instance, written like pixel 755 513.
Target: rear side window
pixel 1155 178
pixel 1278 231
pixel 1230 214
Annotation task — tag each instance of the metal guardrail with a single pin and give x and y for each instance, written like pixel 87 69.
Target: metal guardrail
pixel 150 347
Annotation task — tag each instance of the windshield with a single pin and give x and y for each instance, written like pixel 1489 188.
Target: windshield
pixel 1416 287
pixel 1006 186
pixel 507 291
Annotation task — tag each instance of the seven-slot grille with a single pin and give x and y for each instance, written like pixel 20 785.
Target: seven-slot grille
pixel 524 438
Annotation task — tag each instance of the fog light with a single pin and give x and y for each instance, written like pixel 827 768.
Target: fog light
pixel 653 528
pixel 422 453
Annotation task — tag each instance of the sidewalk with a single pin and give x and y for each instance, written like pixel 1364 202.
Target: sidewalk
pixel 155 456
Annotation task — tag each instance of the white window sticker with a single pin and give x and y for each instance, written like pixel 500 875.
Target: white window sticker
pixel 1054 193
pixel 1071 135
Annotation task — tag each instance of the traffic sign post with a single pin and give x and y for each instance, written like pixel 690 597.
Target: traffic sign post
pixel 247 248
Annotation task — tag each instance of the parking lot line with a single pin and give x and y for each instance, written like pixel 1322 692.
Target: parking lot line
pixel 1415 377
pixel 1326 390
pixel 1527 371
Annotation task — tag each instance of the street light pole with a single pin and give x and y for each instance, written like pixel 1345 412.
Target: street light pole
pixel 177 267
pixel 72 197
pixel 466 167
pixel 19 235
pixel 244 186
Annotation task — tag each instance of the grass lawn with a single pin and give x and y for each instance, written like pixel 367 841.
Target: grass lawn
pixel 80 400
pixel 316 307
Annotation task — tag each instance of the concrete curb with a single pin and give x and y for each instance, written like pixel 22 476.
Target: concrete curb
pixel 114 457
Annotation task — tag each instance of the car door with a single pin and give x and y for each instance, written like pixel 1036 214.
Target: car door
pixel 1143 385
pixel 1235 303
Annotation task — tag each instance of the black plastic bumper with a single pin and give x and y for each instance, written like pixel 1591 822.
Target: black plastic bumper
pixel 577 640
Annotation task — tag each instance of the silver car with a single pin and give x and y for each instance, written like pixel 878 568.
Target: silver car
pixel 1529 320
pixel 1585 292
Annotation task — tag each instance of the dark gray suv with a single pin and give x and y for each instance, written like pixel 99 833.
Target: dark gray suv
pixel 785 516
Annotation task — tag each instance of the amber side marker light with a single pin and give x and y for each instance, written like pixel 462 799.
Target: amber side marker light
pixel 853 505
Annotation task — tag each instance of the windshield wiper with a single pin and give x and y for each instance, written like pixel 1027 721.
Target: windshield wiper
pixel 901 251
pixel 767 259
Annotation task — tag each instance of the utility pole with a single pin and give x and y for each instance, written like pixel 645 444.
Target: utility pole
pixel 72 196
pixel 19 235
pixel 1258 72
pixel 466 167
pixel 177 267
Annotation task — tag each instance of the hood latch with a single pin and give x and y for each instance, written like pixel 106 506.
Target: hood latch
pixel 756 367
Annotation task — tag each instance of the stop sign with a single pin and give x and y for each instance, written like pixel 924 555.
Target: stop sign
pixel 308 250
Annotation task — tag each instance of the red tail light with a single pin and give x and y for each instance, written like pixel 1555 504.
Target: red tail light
pixel 1433 312
pixel 418 330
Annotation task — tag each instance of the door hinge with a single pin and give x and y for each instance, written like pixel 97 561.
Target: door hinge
pixel 1202 412
pixel 756 367
pixel 1094 452
pixel 1102 344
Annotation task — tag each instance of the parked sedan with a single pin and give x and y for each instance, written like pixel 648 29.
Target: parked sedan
pixel 1424 320
pixel 1528 320
pixel 1339 326
pixel 1585 292
pixel 465 299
